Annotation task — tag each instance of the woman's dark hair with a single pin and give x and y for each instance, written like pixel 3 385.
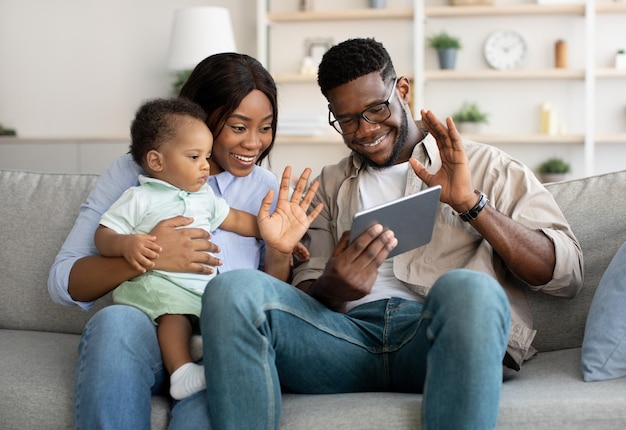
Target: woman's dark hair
pixel 220 82
pixel 352 59
pixel 157 122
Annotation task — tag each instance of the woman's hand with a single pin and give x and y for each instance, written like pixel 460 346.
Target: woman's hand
pixel 184 249
pixel 289 222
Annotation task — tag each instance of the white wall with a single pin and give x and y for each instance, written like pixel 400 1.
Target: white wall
pixel 80 68
pixel 73 72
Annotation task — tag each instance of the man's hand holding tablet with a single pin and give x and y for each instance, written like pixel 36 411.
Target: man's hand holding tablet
pixel 411 218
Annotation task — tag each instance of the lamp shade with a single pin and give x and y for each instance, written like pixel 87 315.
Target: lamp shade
pixel 198 32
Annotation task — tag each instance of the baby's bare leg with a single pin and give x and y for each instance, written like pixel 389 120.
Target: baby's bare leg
pixel 186 377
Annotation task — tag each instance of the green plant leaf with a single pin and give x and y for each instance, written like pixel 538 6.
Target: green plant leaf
pixel 181 78
pixel 554 165
pixel 470 112
pixel 444 41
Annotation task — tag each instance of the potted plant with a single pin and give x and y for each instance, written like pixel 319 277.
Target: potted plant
pixel 7 131
pixel 181 78
pixel 553 169
pixel 620 59
pixel 447 47
pixel 378 4
pixel 470 118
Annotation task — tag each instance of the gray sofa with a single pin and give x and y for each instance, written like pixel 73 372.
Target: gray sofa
pixel 38 339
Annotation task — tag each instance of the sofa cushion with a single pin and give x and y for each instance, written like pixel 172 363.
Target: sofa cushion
pixel 38 370
pixel 38 376
pixel 604 343
pixel 547 393
pixel 595 211
pixel 34 225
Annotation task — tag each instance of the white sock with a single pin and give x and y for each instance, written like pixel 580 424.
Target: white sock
pixel 188 379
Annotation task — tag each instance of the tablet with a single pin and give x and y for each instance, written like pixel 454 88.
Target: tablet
pixel 411 218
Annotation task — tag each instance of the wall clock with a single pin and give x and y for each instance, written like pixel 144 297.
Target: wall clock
pixel 505 49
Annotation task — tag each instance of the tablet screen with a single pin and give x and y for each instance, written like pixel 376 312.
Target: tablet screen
pixel 411 218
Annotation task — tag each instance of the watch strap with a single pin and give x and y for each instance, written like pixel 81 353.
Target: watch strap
pixel 471 214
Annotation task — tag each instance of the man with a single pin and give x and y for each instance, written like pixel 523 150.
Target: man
pixel 439 320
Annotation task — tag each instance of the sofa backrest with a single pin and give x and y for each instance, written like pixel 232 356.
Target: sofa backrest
pixel 37 211
pixel 595 208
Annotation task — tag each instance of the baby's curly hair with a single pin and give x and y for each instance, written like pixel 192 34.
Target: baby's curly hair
pixel 352 59
pixel 156 122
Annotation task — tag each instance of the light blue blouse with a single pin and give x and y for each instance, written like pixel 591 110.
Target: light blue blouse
pixel 243 193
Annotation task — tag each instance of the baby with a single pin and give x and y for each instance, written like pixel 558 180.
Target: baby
pixel 172 143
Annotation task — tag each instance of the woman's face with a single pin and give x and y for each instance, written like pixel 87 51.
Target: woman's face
pixel 244 137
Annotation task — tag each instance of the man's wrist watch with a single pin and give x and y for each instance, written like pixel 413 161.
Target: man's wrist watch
pixel 471 214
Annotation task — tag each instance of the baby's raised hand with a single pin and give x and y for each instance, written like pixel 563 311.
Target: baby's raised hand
pixel 284 228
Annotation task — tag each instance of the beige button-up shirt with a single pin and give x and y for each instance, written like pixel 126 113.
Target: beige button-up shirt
pixel 512 190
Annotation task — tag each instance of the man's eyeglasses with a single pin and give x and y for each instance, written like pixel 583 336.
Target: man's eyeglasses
pixel 348 124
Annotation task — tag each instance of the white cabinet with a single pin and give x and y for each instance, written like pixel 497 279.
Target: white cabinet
pixel 589 96
pixel 60 155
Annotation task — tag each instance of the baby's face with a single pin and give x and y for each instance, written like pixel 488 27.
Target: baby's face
pixel 186 158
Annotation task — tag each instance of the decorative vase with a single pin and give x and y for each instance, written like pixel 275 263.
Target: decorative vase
pixel 560 54
pixel 306 5
pixel 467 127
pixel 447 58
pixel 552 177
pixel 378 4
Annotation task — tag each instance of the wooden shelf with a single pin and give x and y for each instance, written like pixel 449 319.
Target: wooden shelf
pixel 324 139
pixel 610 73
pixel 444 11
pixel 544 139
pixel 492 139
pixel 547 139
pixel 535 139
pixel 520 9
pixel 486 74
pixel 339 15
pixel 611 138
pixel 503 10
pixel 611 7
pixel 295 78
pixel 490 74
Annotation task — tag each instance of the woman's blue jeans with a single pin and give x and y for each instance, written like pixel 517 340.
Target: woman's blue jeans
pixel 262 336
pixel 119 369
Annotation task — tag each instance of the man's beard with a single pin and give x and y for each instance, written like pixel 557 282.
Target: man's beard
pixel 398 146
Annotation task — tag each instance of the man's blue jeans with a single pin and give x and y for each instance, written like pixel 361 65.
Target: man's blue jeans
pixel 262 335
pixel 119 369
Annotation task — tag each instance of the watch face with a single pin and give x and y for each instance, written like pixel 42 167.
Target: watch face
pixel 505 50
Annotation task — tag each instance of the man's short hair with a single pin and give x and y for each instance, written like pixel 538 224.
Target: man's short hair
pixel 352 59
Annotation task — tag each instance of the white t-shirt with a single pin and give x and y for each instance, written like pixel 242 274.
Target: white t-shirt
pixel 377 187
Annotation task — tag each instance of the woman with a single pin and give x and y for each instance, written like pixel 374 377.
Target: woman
pixel 120 366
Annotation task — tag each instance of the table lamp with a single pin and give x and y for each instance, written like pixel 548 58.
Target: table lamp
pixel 198 32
